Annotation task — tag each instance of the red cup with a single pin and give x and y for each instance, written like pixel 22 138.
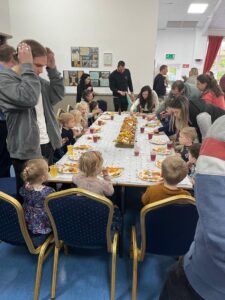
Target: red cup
pixel 142 129
pixel 143 116
pixel 99 122
pixel 169 145
pixel 112 117
pixel 153 156
pixel 92 130
pixel 95 138
pixel 150 135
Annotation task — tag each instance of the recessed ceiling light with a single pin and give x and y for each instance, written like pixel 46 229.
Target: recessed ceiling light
pixel 197 8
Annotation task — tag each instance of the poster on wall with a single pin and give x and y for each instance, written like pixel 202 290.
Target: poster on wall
pixel 99 78
pixel 107 59
pixel 71 78
pixel 84 57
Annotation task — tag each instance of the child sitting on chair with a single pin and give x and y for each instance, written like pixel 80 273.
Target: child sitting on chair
pixel 193 154
pixel 78 128
pixel 68 135
pixel 174 170
pixel 187 137
pixel 90 166
pixel 34 192
pixel 83 108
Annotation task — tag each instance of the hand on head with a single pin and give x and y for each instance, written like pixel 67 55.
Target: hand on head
pixel 24 54
pixel 50 58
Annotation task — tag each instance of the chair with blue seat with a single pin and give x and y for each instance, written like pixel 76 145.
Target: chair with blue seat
pixel 8 186
pixel 102 104
pixel 13 230
pixel 82 219
pixel 167 227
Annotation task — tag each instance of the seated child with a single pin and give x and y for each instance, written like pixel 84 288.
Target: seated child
pixel 186 139
pixel 83 108
pixel 90 166
pixel 193 154
pixel 78 128
pixel 174 170
pixel 68 136
pixel 94 112
pixel 34 192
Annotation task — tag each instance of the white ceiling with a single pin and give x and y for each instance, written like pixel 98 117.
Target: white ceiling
pixel 176 10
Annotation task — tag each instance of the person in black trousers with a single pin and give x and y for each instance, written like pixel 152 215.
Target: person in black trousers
pixel 119 83
pixel 7 60
pixel 160 82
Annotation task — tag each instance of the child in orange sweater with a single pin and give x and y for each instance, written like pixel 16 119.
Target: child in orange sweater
pixel 174 170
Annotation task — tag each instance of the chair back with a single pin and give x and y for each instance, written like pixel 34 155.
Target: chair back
pixel 80 218
pixel 69 108
pixel 13 228
pixel 102 104
pixel 168 226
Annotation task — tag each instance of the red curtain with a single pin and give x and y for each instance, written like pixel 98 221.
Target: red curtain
pixel 213 48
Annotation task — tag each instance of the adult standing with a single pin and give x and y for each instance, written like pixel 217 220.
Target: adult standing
pixel 27 102
pixel 7 61
pixel 84 84
pixel 160 82
pixel 192 79
pixel 200 275
pixel 119 82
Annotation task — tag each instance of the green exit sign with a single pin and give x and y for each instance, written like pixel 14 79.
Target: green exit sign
pixel 170 56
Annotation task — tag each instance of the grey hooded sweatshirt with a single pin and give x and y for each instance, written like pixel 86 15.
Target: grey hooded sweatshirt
pixel 18 96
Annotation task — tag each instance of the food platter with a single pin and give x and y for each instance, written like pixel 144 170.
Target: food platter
pixel 150 175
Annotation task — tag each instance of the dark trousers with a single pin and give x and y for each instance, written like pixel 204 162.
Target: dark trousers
pixel 5 161
pixel 120 102
pixel 177 286
pixel 18 165
pixel 47 152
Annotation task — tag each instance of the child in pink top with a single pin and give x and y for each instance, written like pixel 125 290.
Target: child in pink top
pixel 90 166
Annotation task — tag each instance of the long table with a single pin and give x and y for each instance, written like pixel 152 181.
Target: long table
pixel 121 157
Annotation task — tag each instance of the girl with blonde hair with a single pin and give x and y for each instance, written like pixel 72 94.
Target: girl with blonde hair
pixel 91 166
pixel 34 192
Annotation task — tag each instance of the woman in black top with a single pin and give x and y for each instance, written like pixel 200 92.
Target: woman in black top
pixel 84 84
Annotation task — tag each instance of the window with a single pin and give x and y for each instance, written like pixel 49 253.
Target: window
pixel 218 67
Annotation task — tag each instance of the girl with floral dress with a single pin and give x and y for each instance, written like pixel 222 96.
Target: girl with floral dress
pixel 34 192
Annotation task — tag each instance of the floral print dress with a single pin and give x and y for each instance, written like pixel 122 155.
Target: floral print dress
pixel 34 210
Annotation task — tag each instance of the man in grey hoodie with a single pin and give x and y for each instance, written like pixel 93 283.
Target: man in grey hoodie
pixel 27 102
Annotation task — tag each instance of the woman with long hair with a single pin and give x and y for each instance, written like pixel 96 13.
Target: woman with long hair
pixel 211 91
pixel 84 84
pixel 147 101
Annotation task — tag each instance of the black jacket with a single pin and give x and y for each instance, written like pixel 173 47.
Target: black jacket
pixel 159 85
pixel 120 82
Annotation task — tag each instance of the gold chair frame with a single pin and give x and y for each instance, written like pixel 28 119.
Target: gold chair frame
pixel 138 254
pixel 59 112
pixel 42 251
pixel 111 245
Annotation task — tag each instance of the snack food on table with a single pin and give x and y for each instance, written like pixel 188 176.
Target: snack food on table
pixel 158 141
pixel 161 150
pixel 83 147
pixel 68 168
pixel 126 137
pixel 158 163
pixel 90 137
pixel 114 171
pixel 150 175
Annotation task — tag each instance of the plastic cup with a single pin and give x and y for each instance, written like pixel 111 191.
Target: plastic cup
pixel 92 130
pixel 143 116
pixel 153 156
pixel 142 129
pixel 53 170
pixel 99 122
pixel 70 149
pixel 95 138
pixel 112 117
pixel 150 135
pixel 136 151
pixel 169 145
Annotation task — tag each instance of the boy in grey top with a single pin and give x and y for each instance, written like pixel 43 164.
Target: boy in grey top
pixel 27 102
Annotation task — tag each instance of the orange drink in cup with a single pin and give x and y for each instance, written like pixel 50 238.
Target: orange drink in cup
pixel 53 170
pixel 70 149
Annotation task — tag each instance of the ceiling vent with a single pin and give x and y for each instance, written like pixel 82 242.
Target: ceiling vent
pixel 182 24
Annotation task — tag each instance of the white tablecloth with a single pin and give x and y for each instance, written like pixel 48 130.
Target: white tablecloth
pixel 122 157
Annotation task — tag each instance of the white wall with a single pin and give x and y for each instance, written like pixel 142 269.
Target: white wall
pixel 187 45
pixel 127 28
pixel 4 18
